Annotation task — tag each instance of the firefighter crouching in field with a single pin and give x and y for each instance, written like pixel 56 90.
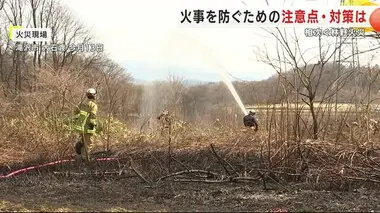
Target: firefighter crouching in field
pixel 165 120
pixel 86 125
pixel 251 121
pixel 217 123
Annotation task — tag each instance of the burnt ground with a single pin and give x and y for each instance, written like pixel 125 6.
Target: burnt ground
pixel 52 193
pixel 44 190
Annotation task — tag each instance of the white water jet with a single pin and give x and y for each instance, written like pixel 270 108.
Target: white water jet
pixel 231 87
pixel 220 69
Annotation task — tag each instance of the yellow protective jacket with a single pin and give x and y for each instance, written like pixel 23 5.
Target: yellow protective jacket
pixel 86 117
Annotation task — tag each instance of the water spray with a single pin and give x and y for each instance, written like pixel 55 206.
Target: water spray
pixel 231 87
pixel 222 71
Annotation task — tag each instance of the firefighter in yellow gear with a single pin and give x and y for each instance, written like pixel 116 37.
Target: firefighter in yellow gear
pixel 86 125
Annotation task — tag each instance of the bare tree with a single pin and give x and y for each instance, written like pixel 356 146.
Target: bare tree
pixel 15 12
pixel 307 77
pixel 115 79
pixel 176 92
pixel 2 2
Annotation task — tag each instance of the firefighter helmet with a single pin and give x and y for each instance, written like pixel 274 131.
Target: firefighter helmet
pixel 91 91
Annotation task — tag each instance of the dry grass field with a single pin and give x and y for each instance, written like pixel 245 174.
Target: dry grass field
pixel 224 168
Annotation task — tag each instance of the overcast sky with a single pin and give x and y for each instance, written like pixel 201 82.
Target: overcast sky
pixel 149 31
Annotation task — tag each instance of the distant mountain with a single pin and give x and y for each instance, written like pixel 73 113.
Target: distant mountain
pixel 155 72
pixel 196 82
pixel 148 72
pixel 140 81
pixel 190 82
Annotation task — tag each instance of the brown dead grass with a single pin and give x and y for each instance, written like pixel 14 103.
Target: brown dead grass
pixel 328 163
pixel 346 164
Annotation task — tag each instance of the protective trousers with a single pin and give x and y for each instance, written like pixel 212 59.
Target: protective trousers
pixel 87 140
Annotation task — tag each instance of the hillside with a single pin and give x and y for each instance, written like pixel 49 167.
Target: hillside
pixel 276 88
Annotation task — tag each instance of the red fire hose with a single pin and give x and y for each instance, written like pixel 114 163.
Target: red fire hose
pixel 20 171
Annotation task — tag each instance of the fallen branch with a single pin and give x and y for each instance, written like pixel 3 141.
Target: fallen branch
pixel 137 172
pixel 233 179
pixel 182 164
pixel 96 174
pixel 188 172
pixel 361 179
pixel 201 181
pixel 222 161
pixel 122 169
pixel 277 172
pixel 228 164
pixel 246 178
